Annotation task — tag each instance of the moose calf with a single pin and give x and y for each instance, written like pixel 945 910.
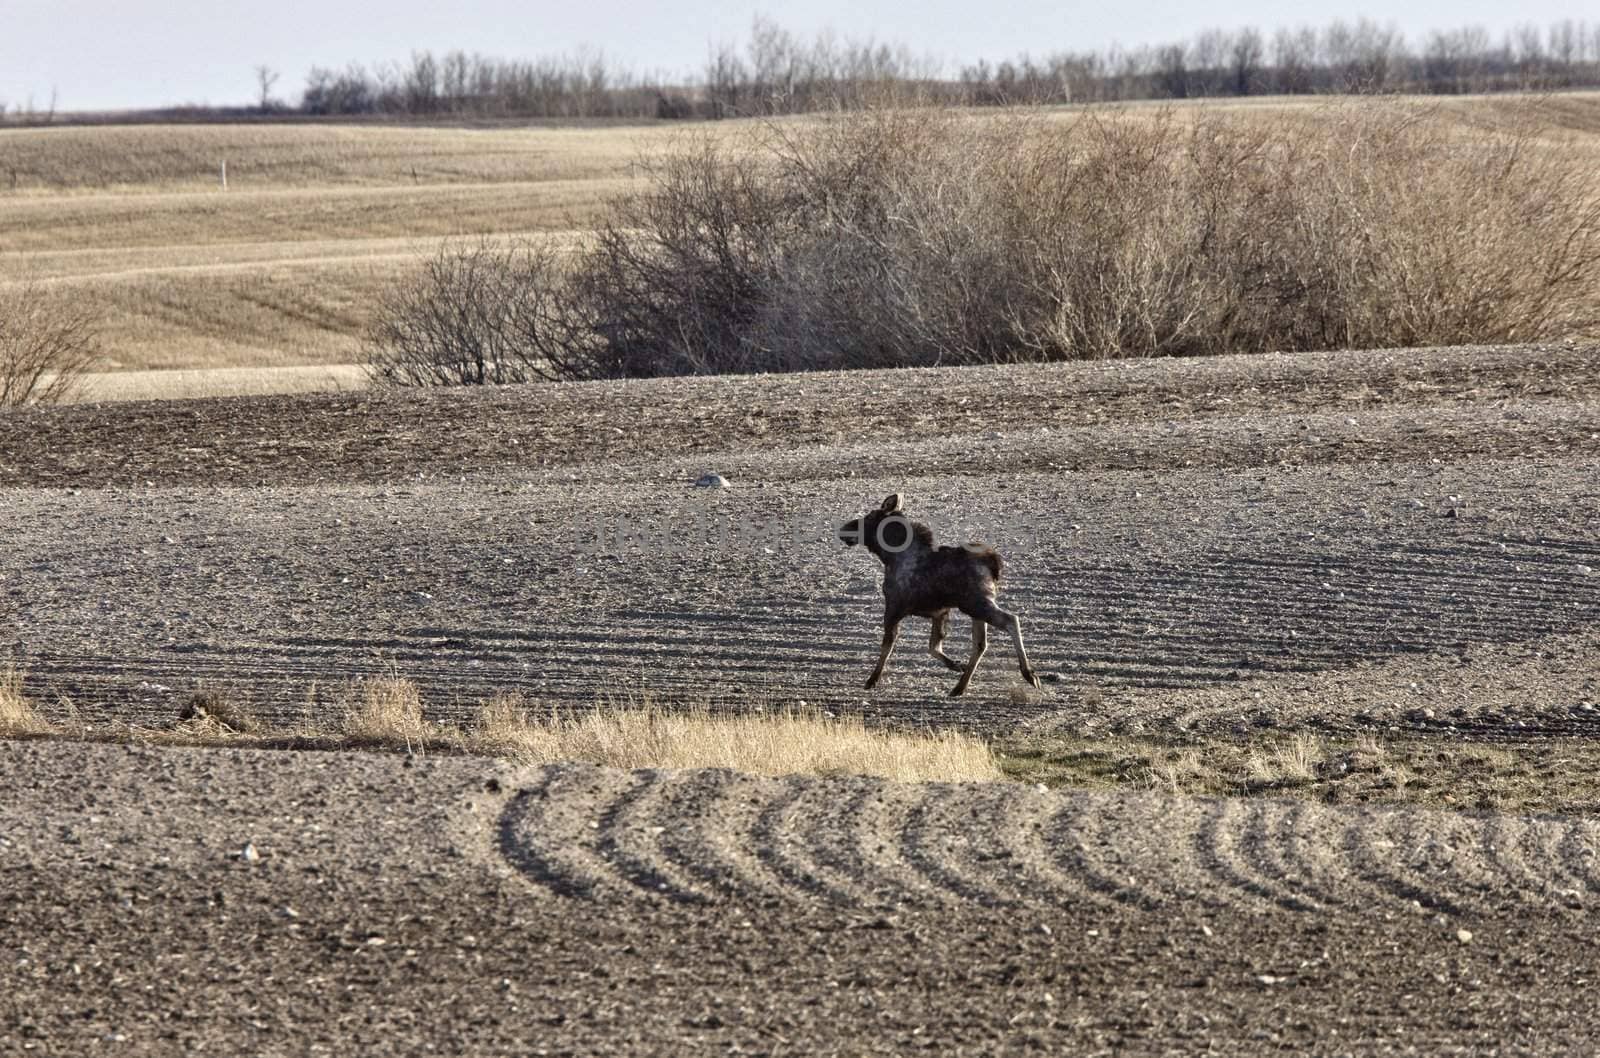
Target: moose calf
pixel 926 581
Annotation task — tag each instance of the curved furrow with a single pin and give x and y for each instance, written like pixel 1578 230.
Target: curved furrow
pixel 715 836
pixel 1314 851
pixel 866 844
pixel 1471 861
pixel 629 838
pixel 547 829
pixel 1078 848
pixel 1579 853
pixel 739 843
pixel 693 816
pixel 1156 847
pixel 775 844
pixel 856 838
pixel 1542 857
pixel 1381 849
pixel 1511 854
pixel 1023 852
pixel 1225 826
pixel 949 838
pixel 1271 853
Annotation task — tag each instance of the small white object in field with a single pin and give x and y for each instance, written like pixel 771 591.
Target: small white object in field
pixel 1587 571
pixel 249 854
pixel 1464 936
pixel 711 481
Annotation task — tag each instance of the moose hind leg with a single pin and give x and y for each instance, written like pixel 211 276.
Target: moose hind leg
pixel 980 643
pixel 1009 622
pixel 891 629
pixel 941 622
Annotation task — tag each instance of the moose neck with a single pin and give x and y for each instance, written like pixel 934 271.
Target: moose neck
pixel 920 543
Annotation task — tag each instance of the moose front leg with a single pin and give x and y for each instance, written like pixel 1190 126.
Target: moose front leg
pixel 891 629
pixel 941 621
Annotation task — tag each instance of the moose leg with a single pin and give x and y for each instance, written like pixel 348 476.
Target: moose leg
pixel 1008 622
pixel 936 639
pixel 980 643
pixel 891 628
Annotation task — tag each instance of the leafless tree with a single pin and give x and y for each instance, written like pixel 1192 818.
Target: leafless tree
pixel 266 78
pixel 45 347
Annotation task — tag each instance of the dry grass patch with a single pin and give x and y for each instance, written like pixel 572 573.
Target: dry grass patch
pixel 387 710
pixel 216 712
pixel 1295 760
pixel 18 717
pixel 780 743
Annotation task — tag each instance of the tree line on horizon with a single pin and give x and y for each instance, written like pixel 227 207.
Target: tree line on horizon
pixel 778 72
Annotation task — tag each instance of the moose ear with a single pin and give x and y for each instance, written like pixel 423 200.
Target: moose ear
pixel 891 504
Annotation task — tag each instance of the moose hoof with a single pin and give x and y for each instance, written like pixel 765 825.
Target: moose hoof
pixel 872 681
pixel 959 690
pixel 1031 678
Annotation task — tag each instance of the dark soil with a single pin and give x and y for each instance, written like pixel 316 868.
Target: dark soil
pixel 393 909
pixel 1173 531
pixel 1394 546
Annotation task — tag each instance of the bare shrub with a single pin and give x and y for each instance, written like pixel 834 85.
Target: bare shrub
pixel 45 347
pixel 915 237
pixel 1398 230
pixel 474 314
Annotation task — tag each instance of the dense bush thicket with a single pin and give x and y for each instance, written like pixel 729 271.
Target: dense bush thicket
pixel 919 237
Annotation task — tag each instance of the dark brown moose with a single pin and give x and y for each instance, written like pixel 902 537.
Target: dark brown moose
pixel 921 580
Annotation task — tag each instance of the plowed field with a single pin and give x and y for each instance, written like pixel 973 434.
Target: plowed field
pixel 1362 546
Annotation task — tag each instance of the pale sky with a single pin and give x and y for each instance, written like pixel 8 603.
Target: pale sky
pixel 109 54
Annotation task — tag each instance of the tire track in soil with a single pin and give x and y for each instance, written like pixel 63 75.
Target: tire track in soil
pixel 869 844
